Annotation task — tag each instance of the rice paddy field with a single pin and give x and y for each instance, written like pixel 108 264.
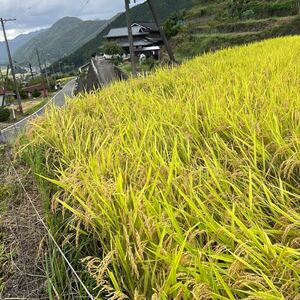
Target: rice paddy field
pixel 187 180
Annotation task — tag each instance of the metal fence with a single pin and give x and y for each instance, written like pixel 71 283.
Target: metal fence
pixel 10 133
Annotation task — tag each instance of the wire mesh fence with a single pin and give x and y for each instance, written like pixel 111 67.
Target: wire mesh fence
pixel 40 267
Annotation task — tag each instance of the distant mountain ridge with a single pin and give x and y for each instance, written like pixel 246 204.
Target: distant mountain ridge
pixel 140 13
pixel 16 44
pixel 61 39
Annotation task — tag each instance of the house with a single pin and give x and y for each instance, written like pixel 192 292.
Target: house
pixel 36 87
pixel 6 97
pixel 146 38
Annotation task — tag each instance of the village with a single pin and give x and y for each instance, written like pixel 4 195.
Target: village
pixel 37 85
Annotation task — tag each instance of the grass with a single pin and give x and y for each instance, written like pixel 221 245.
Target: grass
pixel 218 24
pixel 34 109
pixel 184 184
pixel 3 206
pixel 7 191
pixel 189 45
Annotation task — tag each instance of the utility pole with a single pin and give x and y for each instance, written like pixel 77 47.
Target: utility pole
pixel 130 38
pixel 161 31
pixel 1 75
pixel 7 71
pixel 3 87
pixel 11 63
pixel 59 63
pixel 39 61
pixel 30 67
pixel 46 72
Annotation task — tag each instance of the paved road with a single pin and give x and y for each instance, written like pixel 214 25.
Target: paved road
pixel 66 91
pixel 10 133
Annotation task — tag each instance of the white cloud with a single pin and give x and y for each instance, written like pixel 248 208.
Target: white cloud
pixel 35 14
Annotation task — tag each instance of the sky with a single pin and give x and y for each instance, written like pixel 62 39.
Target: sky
pixel 33 15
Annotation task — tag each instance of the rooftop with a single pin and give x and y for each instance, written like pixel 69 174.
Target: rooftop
pixel 150 25
pixel 138 28
pixel 5 92
pixel 137 43
pixel 123 31
pixel 32 88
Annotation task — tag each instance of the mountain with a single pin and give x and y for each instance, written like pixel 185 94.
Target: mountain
pixel 61 39
pixel 140 12
pixel 16 44
pixel 208 25
pixel 216 24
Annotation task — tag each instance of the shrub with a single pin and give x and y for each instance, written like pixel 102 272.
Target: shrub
pixel 23 94
pixel 36 94
pixel 248 14
pixel 4 114
pixel 151 63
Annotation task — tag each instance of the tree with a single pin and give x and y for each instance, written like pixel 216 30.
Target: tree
pixel 173 24
pixel 36 94
pixel 238 7
pixel 112 48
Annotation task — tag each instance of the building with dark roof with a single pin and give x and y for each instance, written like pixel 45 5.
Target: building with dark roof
pixel 39 87
pixel 145 36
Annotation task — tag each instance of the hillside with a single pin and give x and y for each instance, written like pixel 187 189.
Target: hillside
pixel 183 184
pixel 138 13
pixel 16 44
pixel 216 24
pixel 64 37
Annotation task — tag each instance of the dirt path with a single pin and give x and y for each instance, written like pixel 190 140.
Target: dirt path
pixel 22 271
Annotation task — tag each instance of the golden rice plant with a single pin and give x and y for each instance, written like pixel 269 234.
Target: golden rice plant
pixel 188 179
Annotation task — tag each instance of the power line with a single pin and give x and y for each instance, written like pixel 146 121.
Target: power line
pixel 161 31
pixel 46 71
pixel 42 76
pixel 11 62
pixel 85 4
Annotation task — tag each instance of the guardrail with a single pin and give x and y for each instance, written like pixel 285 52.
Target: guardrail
pixel 10 133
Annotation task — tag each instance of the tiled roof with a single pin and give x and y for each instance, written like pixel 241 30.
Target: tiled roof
pixel 123 31
pixel 150 25
pixel 32 88
pixel 137 43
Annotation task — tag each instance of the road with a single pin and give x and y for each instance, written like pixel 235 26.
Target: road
pixel 9 134
pixel 66 91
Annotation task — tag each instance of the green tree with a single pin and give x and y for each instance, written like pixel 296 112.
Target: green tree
pixel 238 7
pixel 23 94
pixel 112 48
pixel 36 94
pixel 173 24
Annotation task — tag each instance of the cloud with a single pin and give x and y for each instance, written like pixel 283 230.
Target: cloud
pixel 36 14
